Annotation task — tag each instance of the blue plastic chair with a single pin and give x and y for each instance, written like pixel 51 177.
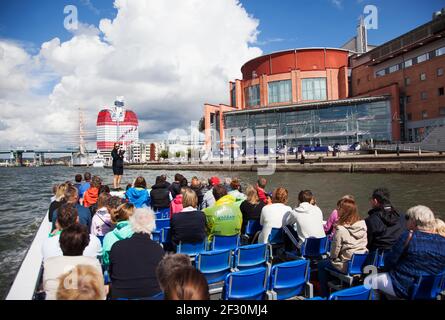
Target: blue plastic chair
pixel 290 279
pixel 225 242
pixel 166 236
pixel 191 249
pixel 250 256
pixel 160 224
pixel 354 293
pixel 314 247
pixel 215 265
pixel 246 285
pixel 275 241
pixel 163 213
pixel 355 267
pixel 428 287
pixel 380 259
pixel 159 215
pixel 276 236
pixel 252 227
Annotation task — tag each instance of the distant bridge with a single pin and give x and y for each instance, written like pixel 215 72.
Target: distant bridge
pixel 39 155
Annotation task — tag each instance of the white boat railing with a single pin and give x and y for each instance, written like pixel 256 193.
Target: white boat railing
pixel 27 277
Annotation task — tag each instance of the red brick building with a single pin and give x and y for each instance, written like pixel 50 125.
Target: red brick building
pixel 410 68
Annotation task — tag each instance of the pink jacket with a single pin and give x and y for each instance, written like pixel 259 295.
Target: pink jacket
pixel 330 224
pixel 176 205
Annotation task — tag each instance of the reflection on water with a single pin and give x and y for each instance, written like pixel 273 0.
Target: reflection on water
pixel 25 194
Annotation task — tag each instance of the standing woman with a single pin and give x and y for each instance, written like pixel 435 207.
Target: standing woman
pixel 118 165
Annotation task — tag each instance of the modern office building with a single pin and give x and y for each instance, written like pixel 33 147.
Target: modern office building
pixel 325 96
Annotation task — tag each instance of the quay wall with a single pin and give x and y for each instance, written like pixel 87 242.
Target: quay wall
pixel 347 167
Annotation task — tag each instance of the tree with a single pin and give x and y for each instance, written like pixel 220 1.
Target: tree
pixel 201 124
pixel 163 154
pixel 178 154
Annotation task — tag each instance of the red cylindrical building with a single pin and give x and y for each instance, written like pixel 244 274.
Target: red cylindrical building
pixel 113 127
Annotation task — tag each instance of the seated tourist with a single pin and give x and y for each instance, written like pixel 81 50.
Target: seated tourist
pixel 71 196
pixel 138 194
pixel 176 205
pixel 350 237
pixel 54 191
pixel 188 226
pixel 59 199
pixel 122 230
pixel 175 187
pixel 103 189
pixel 419 251
pixel 101 223
pixel 224 218
pixel 73 241
pixel 160 194
pixel 168 265
pixel 78 181
pixel 261 189
pixel 85 185
pixel 66 217
pixel 90 196
pixel 251 207
pixel 385 224
pixel 272 215
pixel 235 186
pixel 187 284
pixel 208 198
pixel 307 218
pixel 329 227
pixel 197 186
pixel 83 282
pixel 133 261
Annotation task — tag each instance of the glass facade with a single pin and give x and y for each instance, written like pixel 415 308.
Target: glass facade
pixel 233 96
pixel 280 91
pixel 320 125
pixel 252 95
pixel 314 89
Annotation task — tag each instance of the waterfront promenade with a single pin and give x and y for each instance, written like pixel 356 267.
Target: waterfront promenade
pixel 385 163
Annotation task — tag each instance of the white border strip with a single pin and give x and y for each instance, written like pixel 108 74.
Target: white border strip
pixel 26 279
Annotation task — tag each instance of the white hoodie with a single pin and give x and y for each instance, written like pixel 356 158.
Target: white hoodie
pixel 307 220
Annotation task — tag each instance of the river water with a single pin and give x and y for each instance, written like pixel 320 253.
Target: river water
pixel 26 193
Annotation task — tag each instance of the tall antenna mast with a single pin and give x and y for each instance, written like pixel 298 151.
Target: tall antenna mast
pixel 82 147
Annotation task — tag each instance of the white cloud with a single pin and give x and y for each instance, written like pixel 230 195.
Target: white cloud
pixel 166 57
pixel 337 3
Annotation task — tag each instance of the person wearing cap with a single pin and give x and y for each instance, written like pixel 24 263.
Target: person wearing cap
pixel 209 199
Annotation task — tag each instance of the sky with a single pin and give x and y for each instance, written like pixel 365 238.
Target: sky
pixel 166 57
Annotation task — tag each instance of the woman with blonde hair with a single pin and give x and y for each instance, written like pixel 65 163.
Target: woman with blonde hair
pixel 59 199
pixel 350 238
pixel 84 282
pixel 122 230
pixel 251 207
pixel 331 223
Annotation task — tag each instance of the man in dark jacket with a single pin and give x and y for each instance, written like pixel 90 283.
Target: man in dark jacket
pixel 385 225
pixel 175 187
pixel 160 194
